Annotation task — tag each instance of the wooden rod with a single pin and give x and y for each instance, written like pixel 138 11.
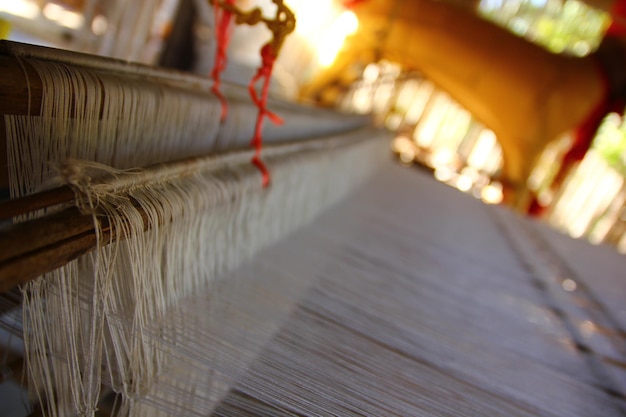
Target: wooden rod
pixel 21 90
pixel 12 53
pixel 16 80
pixel 34 235
pixel 39 246
pixel 14 92
pixel 42 245
pixel 34 202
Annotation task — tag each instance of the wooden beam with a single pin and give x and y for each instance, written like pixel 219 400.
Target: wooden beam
pixel 17 78
pixel 42 245
pixel 34 202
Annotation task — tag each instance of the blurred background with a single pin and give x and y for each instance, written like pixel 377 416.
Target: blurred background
pixel 433 132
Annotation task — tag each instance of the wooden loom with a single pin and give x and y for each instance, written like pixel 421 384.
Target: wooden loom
pixel 407 298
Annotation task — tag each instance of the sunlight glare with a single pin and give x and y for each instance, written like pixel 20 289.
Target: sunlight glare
pixel 371 73
pixel 407 156
pixel 444 174
pixel 492 193
pixel 442 157
pixel 63 16
pixel 464 183
pixel 482 149
pixel 99 25
pixel 401 144
pixel 312 15
pixel 332 41
pixel 20 8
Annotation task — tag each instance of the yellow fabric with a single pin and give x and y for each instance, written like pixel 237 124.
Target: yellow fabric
pixel 5 28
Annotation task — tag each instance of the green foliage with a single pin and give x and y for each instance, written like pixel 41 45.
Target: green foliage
pixel 564 26
pixel 561 26
pixel 610 142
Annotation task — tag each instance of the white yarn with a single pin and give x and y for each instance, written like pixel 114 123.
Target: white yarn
pixel 113 307
pixel 134 116
pixel 102 317
pixel 123 123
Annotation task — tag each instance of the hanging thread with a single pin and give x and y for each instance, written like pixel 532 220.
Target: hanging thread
pixel 223 26
pixel 281 25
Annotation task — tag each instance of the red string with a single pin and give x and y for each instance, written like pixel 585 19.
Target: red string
pixel 268 57
pixel 223 24
pixel 281 26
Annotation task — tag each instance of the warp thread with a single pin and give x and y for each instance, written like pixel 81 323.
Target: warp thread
pixel 104 318
pixel 102 117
